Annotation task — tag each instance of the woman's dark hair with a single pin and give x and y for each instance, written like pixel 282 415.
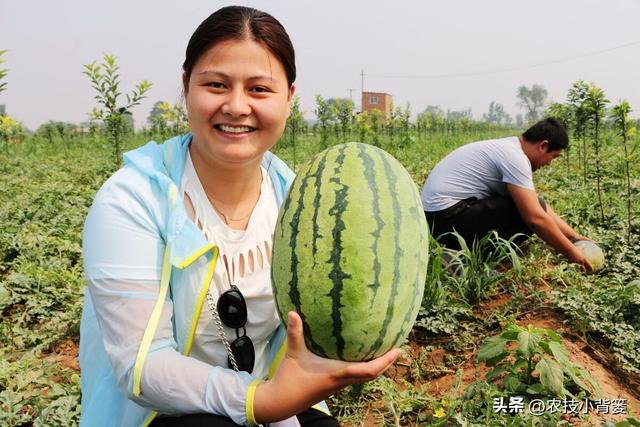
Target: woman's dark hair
pixel 241 23
pixel 551 130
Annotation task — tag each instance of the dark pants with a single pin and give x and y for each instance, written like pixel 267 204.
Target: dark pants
pixel 473 219
pixel 308 418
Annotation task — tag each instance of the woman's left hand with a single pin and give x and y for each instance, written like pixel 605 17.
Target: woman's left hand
pixel 304 379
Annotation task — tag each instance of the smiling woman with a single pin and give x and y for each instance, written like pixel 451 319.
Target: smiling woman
pixel 179 323
pixel 238 100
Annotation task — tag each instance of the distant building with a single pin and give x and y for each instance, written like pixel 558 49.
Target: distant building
pixel 377 100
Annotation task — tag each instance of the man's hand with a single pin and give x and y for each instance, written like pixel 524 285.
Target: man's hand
pixel 578 257
pixel 304 379
pixel 578 237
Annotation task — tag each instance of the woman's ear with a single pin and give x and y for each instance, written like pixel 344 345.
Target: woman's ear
pixel 185 83
pixel 292 90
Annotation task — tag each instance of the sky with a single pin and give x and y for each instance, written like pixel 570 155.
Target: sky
pixel 457 54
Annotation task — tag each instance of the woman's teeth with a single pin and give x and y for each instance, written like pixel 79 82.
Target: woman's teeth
pixel 234 129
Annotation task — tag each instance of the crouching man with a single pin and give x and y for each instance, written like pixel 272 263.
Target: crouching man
pixel 488 185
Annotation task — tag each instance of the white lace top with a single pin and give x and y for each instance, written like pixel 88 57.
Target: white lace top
pixel 245 261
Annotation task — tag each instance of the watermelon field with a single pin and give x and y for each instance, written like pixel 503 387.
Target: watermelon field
pixel 517 325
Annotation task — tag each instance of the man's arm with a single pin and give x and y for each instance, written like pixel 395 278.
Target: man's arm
pixel 565 228
pixel 545 225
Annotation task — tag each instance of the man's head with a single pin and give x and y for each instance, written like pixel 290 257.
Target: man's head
pixel 544 141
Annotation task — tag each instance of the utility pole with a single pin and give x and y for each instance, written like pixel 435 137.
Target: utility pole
pixel 350 94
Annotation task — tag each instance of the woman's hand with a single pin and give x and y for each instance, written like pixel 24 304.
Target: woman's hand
pixel 304 379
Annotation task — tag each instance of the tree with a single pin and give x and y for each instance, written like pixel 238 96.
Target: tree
pixel 53 130
pixel 376 120
pixel 106 81
pixel 11 130
pixel 294 124
pixel 323 114
pixel 391 123
pixel 423 124
pixel 435 116
pixel 576 99
pixel 362 122
pixel 3 72
pixel 620 115
pixel 402 117
pixel 342 111
pixel 156 119
pixel 532 101
pixel 562 113
pixel 458 119
pixel 595 104
pixel 496 114
pixel 175 117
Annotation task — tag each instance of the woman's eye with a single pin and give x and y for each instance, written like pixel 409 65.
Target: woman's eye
pixel 260 89
pixel 216 85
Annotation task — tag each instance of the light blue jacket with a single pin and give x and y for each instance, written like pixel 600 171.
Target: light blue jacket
pixel 148 268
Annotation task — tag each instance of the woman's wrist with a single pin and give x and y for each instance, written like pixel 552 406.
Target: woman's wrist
pixel 272 403
pixel 267 404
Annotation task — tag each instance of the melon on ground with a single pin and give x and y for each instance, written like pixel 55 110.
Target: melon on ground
pixel 592 252
pixel 350 252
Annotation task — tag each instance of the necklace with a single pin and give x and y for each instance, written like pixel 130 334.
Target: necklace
pixel 227 219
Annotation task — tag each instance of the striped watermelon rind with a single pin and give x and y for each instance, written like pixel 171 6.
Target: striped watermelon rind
pixel 350 252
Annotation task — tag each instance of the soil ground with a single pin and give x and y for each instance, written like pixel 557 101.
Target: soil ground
pixel 615 383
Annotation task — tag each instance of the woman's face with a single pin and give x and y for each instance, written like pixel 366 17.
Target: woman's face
pixel 238 101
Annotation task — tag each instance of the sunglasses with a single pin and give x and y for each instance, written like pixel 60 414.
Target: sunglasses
pixel 233 313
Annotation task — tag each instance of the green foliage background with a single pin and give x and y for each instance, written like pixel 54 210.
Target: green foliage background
pixel 48 185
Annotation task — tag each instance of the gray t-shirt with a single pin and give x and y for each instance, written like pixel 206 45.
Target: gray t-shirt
pixel 480 169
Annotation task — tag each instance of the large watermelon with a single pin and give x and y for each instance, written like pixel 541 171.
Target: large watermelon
pixel 350 252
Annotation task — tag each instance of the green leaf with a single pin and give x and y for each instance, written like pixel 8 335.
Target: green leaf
pixel 528 343
pixel 576 373
pixel 629 422
pixel 511 332
pixel 554 336
pixel 536 388
pixel 491 348
pixel 495 373
pixel 5 296
pixel 496 359
pixel 513 384
pixel 545 346
pixel 551 376
pixel 520 364
pixel 560 353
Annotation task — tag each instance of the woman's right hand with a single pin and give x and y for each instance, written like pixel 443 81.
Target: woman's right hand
pixel 304 379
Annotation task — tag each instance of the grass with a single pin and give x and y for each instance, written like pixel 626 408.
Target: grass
pixel 474 270
pixel 47 189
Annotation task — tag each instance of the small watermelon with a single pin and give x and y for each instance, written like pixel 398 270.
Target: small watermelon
pixel 592 252
pixel 350 252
